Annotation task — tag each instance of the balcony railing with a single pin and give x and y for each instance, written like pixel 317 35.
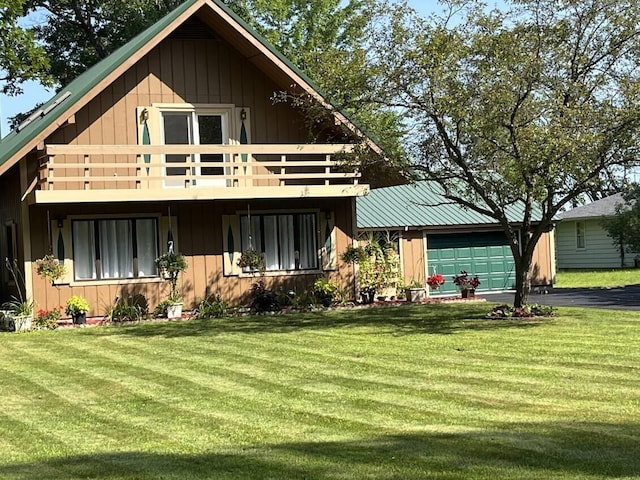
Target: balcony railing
pixel 153 167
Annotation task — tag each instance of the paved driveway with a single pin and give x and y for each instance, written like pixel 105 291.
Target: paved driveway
pixel 619 298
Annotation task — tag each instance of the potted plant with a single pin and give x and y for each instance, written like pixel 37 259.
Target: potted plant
pixel 50 268
pixel 77 307
pixel 19 310
pixel 466 283
pixel 435 281
pixel 171 265
pixel 19 315
pixel 325 291
pixel 415 292
pixel 252 260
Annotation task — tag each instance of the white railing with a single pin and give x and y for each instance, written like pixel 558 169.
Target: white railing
pixel 97 167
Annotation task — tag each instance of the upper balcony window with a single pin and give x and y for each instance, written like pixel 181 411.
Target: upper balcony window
pixel 196 128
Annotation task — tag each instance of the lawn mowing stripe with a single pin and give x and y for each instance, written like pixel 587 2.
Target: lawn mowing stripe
pixel 481 400
pixel 261 402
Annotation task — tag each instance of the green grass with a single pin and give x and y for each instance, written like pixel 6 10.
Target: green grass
pixel 597 278
pixel 420 392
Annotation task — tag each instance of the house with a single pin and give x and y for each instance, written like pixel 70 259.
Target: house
pixel 583 243
pixel 436 236
pixel 174 142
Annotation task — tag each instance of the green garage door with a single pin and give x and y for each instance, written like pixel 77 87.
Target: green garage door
pixel 484 254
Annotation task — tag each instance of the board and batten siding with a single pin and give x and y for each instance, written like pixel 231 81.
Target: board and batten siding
pixel 199 238
pixel 198 72
pixel 598 251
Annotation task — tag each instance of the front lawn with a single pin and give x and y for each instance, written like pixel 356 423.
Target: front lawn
pixel 597 278
pixel 413 392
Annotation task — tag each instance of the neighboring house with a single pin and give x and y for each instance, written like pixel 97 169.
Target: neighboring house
pixel 174 140
pixel 581 241
pixel 437 236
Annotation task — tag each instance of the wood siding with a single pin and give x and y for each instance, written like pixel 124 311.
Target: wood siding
pixel 599 251
pixel 200 240
pixel 412 255
pixel 182 71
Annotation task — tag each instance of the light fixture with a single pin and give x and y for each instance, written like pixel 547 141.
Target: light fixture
pixel 243 114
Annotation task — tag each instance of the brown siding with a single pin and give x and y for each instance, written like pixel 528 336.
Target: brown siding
pixel 184 71
pixel 413 257
pixel 542 270
pixel 200 240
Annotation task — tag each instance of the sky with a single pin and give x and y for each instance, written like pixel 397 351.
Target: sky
pixel 34 93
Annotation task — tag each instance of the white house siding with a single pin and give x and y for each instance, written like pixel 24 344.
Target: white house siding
pixel 599 251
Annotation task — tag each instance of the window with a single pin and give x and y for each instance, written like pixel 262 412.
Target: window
pixel 115 248
pixel 288 242
pixel 195 128
pixel 580 235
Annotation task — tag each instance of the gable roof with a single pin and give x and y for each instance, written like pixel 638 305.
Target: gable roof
pixel 420 205
pixel 90 83
pixel 604 207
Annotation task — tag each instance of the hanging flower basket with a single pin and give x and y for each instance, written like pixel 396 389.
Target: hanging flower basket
pixel 252 260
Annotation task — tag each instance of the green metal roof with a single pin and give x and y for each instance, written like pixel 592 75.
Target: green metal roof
pixel 76 90
pixel 420 205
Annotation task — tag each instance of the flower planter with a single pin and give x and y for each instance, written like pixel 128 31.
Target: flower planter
pixel 20 323
pixel 468 293
pixel 79 318
pixel 174 310
pixel 415 295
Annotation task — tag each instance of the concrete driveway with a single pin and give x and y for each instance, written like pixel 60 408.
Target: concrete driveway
pixel 619 298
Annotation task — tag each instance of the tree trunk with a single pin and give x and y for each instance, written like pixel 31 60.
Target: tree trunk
pixel 523 280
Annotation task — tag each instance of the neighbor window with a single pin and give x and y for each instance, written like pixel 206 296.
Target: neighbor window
pixel 288 242
pixel 579 234
pixel 115 248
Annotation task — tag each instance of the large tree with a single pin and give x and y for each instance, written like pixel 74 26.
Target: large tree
pixel 21 58
pixel 519 110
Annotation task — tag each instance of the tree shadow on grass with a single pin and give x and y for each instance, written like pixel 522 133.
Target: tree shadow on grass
pixel 397 320
pixel 535 450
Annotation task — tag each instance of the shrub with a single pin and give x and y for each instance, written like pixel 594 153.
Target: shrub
pixel 262 299
pixel 128 309
pixel 211 307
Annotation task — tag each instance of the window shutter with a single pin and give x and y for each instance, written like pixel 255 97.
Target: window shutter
pixel 231 242
pixel 61 245
pixel 328 245
pixel 168 231
pixel 148 122
pixel 242 137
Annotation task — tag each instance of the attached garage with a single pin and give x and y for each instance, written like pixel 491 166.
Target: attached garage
pixel 486 254
pixel 437 236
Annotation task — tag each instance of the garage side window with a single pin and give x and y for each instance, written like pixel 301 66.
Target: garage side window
pixel 580 240
pixel 114 248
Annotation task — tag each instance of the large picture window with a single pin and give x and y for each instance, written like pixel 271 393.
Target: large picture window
pixel 115 248
pixel 288 242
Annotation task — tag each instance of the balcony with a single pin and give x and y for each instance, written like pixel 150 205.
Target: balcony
pixel 107 173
